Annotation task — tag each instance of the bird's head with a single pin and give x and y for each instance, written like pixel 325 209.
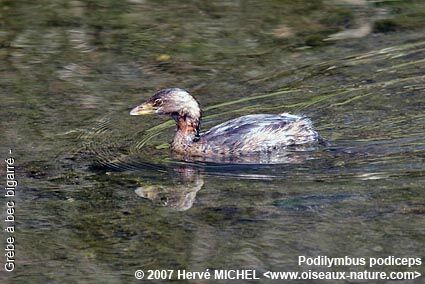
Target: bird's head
pixel 175 102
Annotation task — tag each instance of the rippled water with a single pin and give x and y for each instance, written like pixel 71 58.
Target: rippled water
pixel 100 193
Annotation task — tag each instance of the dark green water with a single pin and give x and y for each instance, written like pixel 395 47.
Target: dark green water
pixel 99 193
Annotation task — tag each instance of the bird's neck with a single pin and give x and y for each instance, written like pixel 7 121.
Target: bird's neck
pixel 187 131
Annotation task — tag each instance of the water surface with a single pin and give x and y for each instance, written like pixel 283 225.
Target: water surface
pixel 101 195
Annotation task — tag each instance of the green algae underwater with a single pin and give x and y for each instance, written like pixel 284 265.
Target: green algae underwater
pixel 100 195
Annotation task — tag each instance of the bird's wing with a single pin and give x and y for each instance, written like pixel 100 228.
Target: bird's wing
pixel 258 132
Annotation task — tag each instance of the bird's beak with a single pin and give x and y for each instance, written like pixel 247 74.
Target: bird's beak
pixel 143 109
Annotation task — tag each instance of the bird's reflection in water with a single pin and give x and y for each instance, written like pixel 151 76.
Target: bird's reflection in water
pixel 180 195
pixel 290 155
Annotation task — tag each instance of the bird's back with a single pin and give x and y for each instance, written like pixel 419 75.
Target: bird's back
pixel 259 132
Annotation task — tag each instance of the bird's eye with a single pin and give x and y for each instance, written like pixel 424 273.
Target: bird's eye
pixel 158 103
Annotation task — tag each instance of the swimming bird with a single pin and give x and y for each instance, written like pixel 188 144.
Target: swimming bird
pixel 245 135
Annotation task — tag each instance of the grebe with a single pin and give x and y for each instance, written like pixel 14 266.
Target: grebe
pixel 244 135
